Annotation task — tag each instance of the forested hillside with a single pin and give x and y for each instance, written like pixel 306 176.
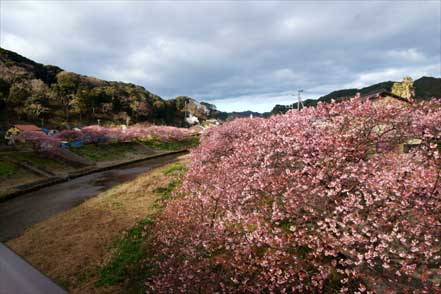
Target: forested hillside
pixel 50 96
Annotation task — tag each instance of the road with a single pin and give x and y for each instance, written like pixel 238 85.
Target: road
pixel 23 211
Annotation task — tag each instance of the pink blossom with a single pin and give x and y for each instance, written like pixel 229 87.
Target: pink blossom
pixel 307 201
pixel 40 140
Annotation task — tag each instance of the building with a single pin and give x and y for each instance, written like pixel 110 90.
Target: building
pixel 12 134
pixel 27 128
pixel 384 96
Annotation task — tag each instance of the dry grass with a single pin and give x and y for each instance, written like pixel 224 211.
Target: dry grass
pixel 70 246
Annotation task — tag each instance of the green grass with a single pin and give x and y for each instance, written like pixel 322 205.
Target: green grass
pixel 103 152
pixel 130 252
pixel 114 151
pixel 132 248
pixel 176 170
pixel 165 193
pixel 173 145
pixel 177 167
pixel 11 172
pixel 41 160
pixel 7 169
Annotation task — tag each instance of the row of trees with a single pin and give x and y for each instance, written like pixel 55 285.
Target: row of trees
pixel 98 134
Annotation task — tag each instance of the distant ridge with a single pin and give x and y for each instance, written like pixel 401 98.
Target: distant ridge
pixel 425 88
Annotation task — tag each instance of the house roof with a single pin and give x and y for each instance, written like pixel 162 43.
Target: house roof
pixel 381 94
pixel 27 127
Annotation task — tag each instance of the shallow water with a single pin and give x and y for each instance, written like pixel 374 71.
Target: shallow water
pixel 23 211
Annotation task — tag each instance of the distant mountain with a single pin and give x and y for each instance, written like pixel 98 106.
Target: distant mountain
pixel 342 94
pixel 213 112
pixel 425 88
pixel 237 114
pixel 247 113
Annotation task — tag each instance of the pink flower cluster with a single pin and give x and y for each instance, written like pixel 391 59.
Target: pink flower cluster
pixel 98 134
pixel 40 140
pixel 317 200
pixel 93 134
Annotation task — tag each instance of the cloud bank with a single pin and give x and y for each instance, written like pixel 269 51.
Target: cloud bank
pixel 240 56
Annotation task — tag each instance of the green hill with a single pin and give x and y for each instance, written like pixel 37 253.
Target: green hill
pixel 47 95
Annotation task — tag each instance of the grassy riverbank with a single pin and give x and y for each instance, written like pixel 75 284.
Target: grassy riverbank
pixel 131 150
pixel 107 152
pixel 13 174
pixel 172 145
pixel 93 247
pixel 125 266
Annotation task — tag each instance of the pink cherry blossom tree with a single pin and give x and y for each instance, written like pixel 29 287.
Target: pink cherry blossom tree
pixel 317 200
pixel 40 140
pixel 98 134
pixel 95 134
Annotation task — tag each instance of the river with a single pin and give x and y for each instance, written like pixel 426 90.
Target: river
pixel 25 210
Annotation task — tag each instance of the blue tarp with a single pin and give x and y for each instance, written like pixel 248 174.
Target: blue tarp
pixel 72 144
pixel 76 143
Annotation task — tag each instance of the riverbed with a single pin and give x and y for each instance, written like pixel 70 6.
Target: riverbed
pixel 23 211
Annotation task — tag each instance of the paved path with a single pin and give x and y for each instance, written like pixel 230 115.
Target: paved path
pixel 18 276
pixel 19 213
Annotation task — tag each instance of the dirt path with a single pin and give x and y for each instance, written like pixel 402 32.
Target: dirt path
pixel 71 245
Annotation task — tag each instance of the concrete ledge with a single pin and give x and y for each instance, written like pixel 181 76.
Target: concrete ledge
pixel 89 171
pixel 50 181
pixel 18 276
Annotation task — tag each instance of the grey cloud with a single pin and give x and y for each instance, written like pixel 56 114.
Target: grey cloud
pixel 240 55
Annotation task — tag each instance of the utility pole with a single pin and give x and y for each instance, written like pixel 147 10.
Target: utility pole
pixel 299 99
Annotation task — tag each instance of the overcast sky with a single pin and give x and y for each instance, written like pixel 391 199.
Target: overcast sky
pixel 239 56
